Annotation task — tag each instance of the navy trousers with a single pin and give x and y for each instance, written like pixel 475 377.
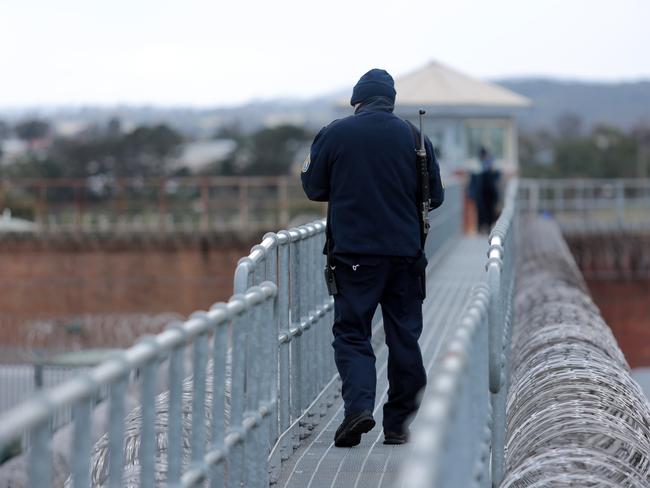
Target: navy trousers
pixel 363 283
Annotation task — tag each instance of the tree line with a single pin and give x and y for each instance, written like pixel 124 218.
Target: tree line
pixel 567 150
pixel 145 151
pixel 573 151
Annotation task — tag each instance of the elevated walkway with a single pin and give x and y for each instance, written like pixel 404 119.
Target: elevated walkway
pixel 452 274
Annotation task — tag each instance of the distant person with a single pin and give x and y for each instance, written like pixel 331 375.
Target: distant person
pixel 472 193
pixel 365 166
pixel 484 190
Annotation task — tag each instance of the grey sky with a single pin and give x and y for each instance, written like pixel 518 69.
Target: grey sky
pixel 199 52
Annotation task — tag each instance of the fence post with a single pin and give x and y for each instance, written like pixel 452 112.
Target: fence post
pixel 620 201
pixel 78 205
pixel 3 194
pixel 296 330
pixel 244 204
pixel 283 201
pixel 205 206
pixel 284 239
pixel 40 457
pixel 41 214
pixel 162 204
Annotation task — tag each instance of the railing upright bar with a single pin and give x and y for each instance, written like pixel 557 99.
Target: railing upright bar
pixel 40 458
pixel 309 315
pixel 269 368
pixel 249 379
pixel 147 433
pixel 199 361
pixel 175 408
pixel 319 305
pixel 218 426
pixel 296 331
pixel 284 332
pixel 237 402
pixel 303 314
pixel 267 365
pixel 261 322
pixel 271 332
pixel 252 447
pixel 116 433
pixel 82 444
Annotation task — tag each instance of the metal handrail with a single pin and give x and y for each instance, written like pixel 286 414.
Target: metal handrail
pixel 462 419
pixel 574 200
pixel 244 318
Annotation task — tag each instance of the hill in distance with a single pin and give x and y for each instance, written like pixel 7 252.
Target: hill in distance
pixel 623 104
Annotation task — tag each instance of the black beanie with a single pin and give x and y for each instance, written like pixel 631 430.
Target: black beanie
pixel 375 83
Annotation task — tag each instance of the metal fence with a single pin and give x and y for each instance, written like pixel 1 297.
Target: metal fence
pixel 247 323
pixel 273 340
pixel 182 204
pixel 19 382
pixel 577 200
pixel 462 418
pixel 294 260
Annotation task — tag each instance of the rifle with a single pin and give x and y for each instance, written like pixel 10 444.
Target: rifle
pixel 424 190
pixel 423 198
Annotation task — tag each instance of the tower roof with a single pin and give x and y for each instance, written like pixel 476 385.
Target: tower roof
pixel 439 85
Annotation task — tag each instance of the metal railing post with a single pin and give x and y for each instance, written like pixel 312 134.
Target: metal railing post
pixel 147 429
pixel 175 409
pixel 218 426
pixel 116 433
pixel 284 239
pixel 237 401
pixel 296 330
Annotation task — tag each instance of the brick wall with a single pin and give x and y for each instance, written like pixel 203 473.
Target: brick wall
pixel 39 280
pixel 625 305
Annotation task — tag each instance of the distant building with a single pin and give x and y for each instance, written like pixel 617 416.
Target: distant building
pixel 197 155
pixel 463 114
pixel 11 149
pixel 13 224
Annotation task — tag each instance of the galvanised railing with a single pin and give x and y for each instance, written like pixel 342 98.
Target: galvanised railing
pixel 306 371
pixel 247 324
pixel 271 342
pixel 462 419
pixel 574 200
pixel 501 282
pixel 147 205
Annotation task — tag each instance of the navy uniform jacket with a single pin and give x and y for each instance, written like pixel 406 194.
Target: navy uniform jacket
pixel 365 166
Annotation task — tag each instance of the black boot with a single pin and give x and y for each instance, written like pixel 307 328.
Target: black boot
pixel 349 432
pixel 395 438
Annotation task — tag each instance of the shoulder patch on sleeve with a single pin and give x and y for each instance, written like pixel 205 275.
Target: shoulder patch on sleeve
pixel 305 165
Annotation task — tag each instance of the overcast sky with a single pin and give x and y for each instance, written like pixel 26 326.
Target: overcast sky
pixel 203 53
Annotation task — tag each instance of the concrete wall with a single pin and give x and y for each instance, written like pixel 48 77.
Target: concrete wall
pixel 625 306
pixel 42 280
pixel 616 266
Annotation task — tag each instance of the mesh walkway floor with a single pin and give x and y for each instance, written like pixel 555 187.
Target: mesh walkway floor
pixel 317 463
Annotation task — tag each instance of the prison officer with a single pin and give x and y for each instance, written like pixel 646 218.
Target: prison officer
pixel 364 165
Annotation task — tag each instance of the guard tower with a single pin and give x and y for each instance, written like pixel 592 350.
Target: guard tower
pixel 463 114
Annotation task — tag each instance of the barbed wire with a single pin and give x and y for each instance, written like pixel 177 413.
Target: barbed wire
pixel 575 415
